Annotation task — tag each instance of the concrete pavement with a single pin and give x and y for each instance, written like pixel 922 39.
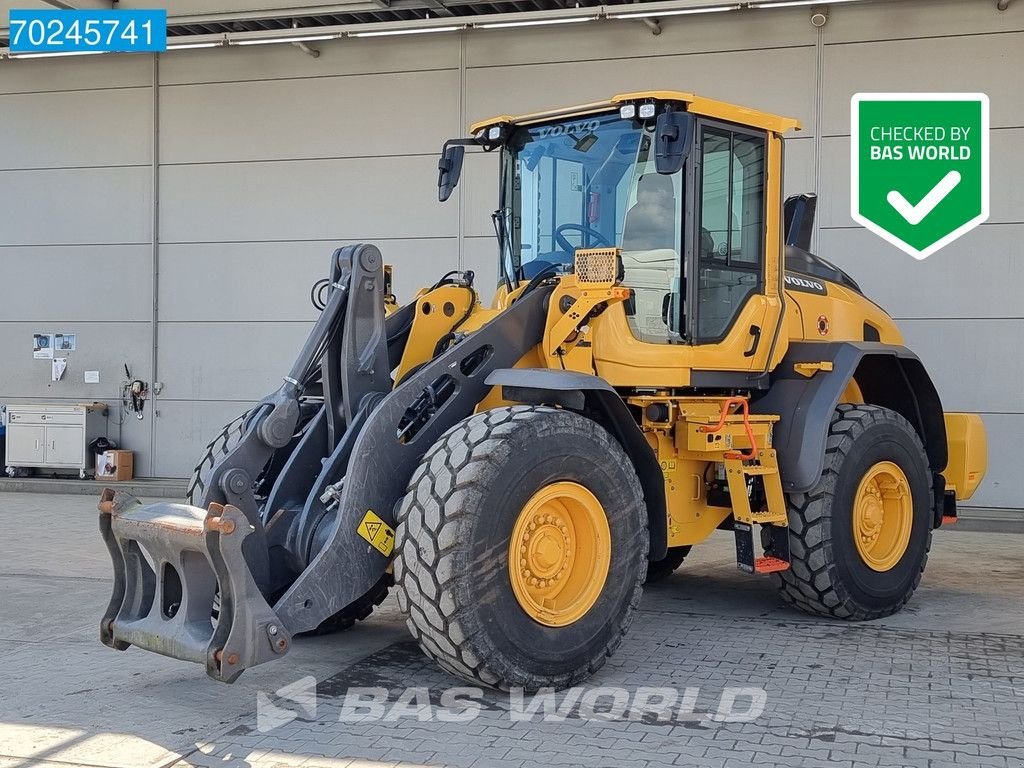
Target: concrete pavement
pixel 941 683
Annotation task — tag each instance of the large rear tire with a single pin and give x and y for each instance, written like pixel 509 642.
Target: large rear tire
pixel 659 570
pixel 860 538
pixel 522 546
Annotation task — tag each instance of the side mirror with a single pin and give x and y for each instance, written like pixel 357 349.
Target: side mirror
pixel 449 169
pixel 673 137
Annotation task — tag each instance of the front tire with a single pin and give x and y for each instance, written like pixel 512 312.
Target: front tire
pixel 522 545
pixel 357 611
pixel 224 443
pixel 859 539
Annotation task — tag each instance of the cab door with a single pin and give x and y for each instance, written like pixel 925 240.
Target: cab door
pixel 733 242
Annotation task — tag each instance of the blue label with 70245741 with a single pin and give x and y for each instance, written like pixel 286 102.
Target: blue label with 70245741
pixel 97 31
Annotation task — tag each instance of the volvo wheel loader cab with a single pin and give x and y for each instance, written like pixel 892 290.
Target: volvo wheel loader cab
pixel 664 358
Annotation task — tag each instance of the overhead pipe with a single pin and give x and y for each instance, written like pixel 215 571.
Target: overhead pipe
pixel 304 47
pixel 307 50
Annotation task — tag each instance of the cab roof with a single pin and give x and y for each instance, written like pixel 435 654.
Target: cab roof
pixel 696 104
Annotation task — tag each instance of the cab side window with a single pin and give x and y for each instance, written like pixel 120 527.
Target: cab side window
pixel 730 244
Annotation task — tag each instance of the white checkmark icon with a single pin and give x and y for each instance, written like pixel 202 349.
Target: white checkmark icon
pixel 915 214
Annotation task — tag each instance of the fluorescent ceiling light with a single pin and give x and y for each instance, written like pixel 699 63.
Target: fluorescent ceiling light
pixel 677 12
pixel 193 45
pixel 269 40
pixel 414 31
pixel 52 55
pixel 792 3
pixel 534 23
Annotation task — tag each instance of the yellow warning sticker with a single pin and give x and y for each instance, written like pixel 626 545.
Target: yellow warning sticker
pixel 380 535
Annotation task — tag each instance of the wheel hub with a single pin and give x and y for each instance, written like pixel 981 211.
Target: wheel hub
pixel 549 549
pixel 883 513
pixel 559 554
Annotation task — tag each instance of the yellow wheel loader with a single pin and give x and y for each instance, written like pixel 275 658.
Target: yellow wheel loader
pixel 664 358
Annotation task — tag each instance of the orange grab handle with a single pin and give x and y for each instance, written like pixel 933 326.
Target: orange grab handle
pixel 744 405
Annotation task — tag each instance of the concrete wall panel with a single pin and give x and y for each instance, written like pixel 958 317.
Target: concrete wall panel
pixel 94 136
pixel 972 362
pixel 184 429
pixel 271 281
pixel 87 206
pixel 360 198
pixel 936 18
pixel 103 347
pixel 634 41
pixel 345 57
pixel 84 73
pixel 63 284
pixel 478 189
pixel 978 276
pixel 967 63
pixel 314 117
pixel 481 256
pixel 227 361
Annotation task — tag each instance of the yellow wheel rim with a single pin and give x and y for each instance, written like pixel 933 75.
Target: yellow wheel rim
pixel 559 554
pixel 883 515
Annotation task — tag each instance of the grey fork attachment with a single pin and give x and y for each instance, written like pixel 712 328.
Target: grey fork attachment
pixel 228 582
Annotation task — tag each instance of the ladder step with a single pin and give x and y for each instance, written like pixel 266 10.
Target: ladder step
pixel 770 565
pixel 767 517
pixel 759 470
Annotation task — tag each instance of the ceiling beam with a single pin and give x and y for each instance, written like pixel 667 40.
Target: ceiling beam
pixel 360 6
pixel 438 7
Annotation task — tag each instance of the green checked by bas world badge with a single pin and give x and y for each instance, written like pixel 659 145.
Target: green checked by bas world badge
pixel 919 167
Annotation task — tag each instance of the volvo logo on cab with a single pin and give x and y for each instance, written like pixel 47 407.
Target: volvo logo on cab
pixel 805 284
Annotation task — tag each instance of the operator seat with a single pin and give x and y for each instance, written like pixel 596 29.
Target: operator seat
pixel 650 261
pixel 651 221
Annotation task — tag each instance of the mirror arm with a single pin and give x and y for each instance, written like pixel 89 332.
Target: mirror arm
pixel 449 166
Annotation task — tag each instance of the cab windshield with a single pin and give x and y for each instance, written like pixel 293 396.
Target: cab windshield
pixel 588 183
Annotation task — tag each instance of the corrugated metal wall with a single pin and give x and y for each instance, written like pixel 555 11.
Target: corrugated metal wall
pixel 266 159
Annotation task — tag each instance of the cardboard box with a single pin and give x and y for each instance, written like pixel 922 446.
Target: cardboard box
pixel 115 465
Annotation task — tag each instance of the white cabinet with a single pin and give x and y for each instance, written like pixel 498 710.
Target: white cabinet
pixel 25 446
pixel 65 446
pixel 53 435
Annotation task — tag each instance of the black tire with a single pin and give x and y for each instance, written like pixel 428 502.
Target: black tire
pixel 658 570
pixel 220 446
pixel 226 441
pixel 223 444
pixel 454 528
pixel 827 575
pixel 357 611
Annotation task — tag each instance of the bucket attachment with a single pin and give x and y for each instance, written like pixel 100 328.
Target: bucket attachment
pixel 172 562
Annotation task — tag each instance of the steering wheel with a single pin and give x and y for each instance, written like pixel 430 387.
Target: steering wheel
pixel 587 232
